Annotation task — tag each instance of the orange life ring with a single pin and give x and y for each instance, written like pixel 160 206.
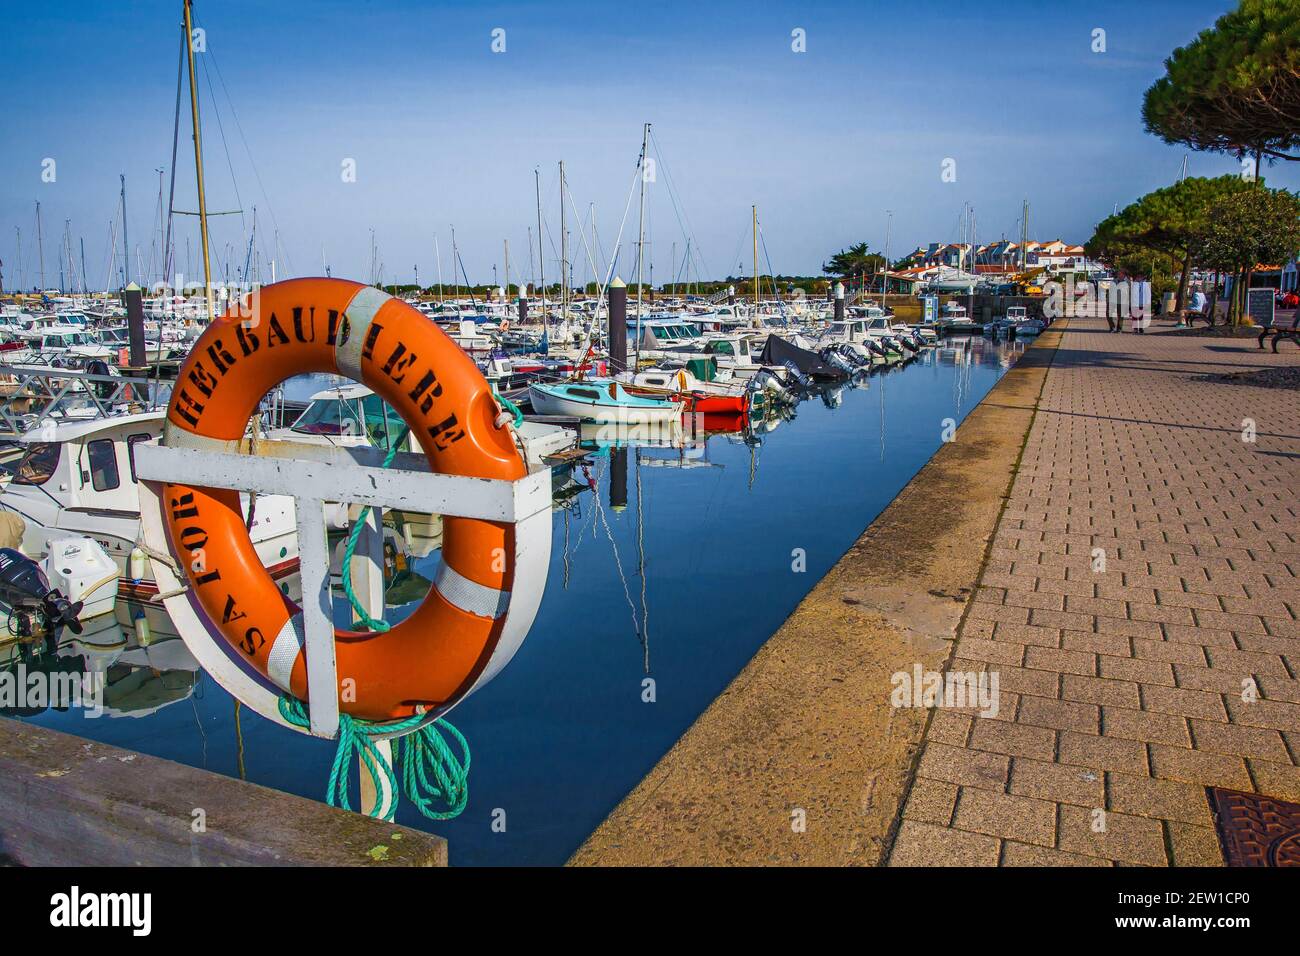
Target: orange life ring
pixel 430 660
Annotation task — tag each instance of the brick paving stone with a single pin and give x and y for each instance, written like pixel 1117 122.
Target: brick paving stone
pixel 1144 672
pixel 1056 781
pixel 1115 645
pixel 1262 712
pixel 1059 714
pixel 1276 779
pixel 1199 766
pixel 1062 661
pixel 1184 702
pixel 1161 799
pixel 1023 854
pixel 1145 725
pixel 1193 845
pixel 967 767
pixel 1112 836
pixel 1128 682
pixel 1003 814
pixel 1237 739
pixel 1020 740
pixel 924 844
pixel 1103 753
pixel 1022 680
pixel 931 801
pixel 1100 690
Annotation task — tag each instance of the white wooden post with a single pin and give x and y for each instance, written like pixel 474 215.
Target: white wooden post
pixel 375 790
pixel 367 571
pixel 317 615
pixel 367 565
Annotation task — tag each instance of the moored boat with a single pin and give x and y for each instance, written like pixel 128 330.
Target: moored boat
pixel 601 400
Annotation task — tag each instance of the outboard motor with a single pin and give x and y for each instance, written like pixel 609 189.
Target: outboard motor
pixel 834 359
pixel 853 355
pixel 34 607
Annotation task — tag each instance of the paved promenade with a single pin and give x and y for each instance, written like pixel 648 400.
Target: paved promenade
pixel 1141 607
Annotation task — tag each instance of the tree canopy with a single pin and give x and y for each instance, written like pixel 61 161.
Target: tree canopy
pixel 1249 228
pixel 1165 221
pixel 854 260
pixel 1164 233
pixel 1236 87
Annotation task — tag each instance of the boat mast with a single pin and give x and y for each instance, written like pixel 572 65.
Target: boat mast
pixel 541 252
pixel 884 284
pixel 754 210
pixel 564 253
pixel 507 285
pixel 455 258
pixel 198 168
pixel 40 244
pixel 437 254
pixel 640 242
pixel 1024 234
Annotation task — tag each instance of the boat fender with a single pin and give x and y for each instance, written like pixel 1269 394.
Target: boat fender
pixel 136 563
pixel 143 634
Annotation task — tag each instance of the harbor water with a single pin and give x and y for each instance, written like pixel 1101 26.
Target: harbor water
pixel 669 568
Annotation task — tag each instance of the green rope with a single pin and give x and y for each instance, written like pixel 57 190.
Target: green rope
pixel 433 777
pixel 433 774
pixel 358 608
pixel 508 406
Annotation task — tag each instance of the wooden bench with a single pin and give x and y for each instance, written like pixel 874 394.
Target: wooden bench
pixel 1281 332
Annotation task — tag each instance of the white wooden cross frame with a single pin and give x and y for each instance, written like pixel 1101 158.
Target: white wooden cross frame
pixel 314 474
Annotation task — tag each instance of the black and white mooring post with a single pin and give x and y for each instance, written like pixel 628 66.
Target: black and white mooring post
pixel 839 302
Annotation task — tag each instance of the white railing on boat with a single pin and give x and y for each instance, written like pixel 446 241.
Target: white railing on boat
pixel 33 394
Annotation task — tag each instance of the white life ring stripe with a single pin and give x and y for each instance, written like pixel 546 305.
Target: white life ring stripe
pixel 360 313
pixel 285 651
pixel 470 596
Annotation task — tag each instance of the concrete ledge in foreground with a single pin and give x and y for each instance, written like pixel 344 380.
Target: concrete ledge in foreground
pixel 69 801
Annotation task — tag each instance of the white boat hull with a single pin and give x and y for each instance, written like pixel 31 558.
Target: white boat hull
pixel 545 403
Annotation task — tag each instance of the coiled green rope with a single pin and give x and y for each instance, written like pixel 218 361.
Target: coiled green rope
pixel 434 777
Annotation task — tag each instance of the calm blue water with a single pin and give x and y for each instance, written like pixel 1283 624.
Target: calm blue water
pixel 563 734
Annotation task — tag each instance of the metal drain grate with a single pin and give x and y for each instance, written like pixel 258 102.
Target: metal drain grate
pixel 1255 830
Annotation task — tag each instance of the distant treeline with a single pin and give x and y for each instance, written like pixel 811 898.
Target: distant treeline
pixel 744 286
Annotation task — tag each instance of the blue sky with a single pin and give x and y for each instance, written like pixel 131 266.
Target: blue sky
pixel 444 131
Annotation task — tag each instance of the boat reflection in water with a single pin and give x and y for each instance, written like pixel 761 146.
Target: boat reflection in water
pixel 106 672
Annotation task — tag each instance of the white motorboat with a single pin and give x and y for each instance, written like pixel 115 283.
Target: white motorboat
pixel 76 478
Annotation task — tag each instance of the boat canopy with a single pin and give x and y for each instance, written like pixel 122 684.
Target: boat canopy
pixel 777 351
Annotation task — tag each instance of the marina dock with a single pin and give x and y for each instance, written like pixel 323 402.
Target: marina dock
pixel 1124 693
